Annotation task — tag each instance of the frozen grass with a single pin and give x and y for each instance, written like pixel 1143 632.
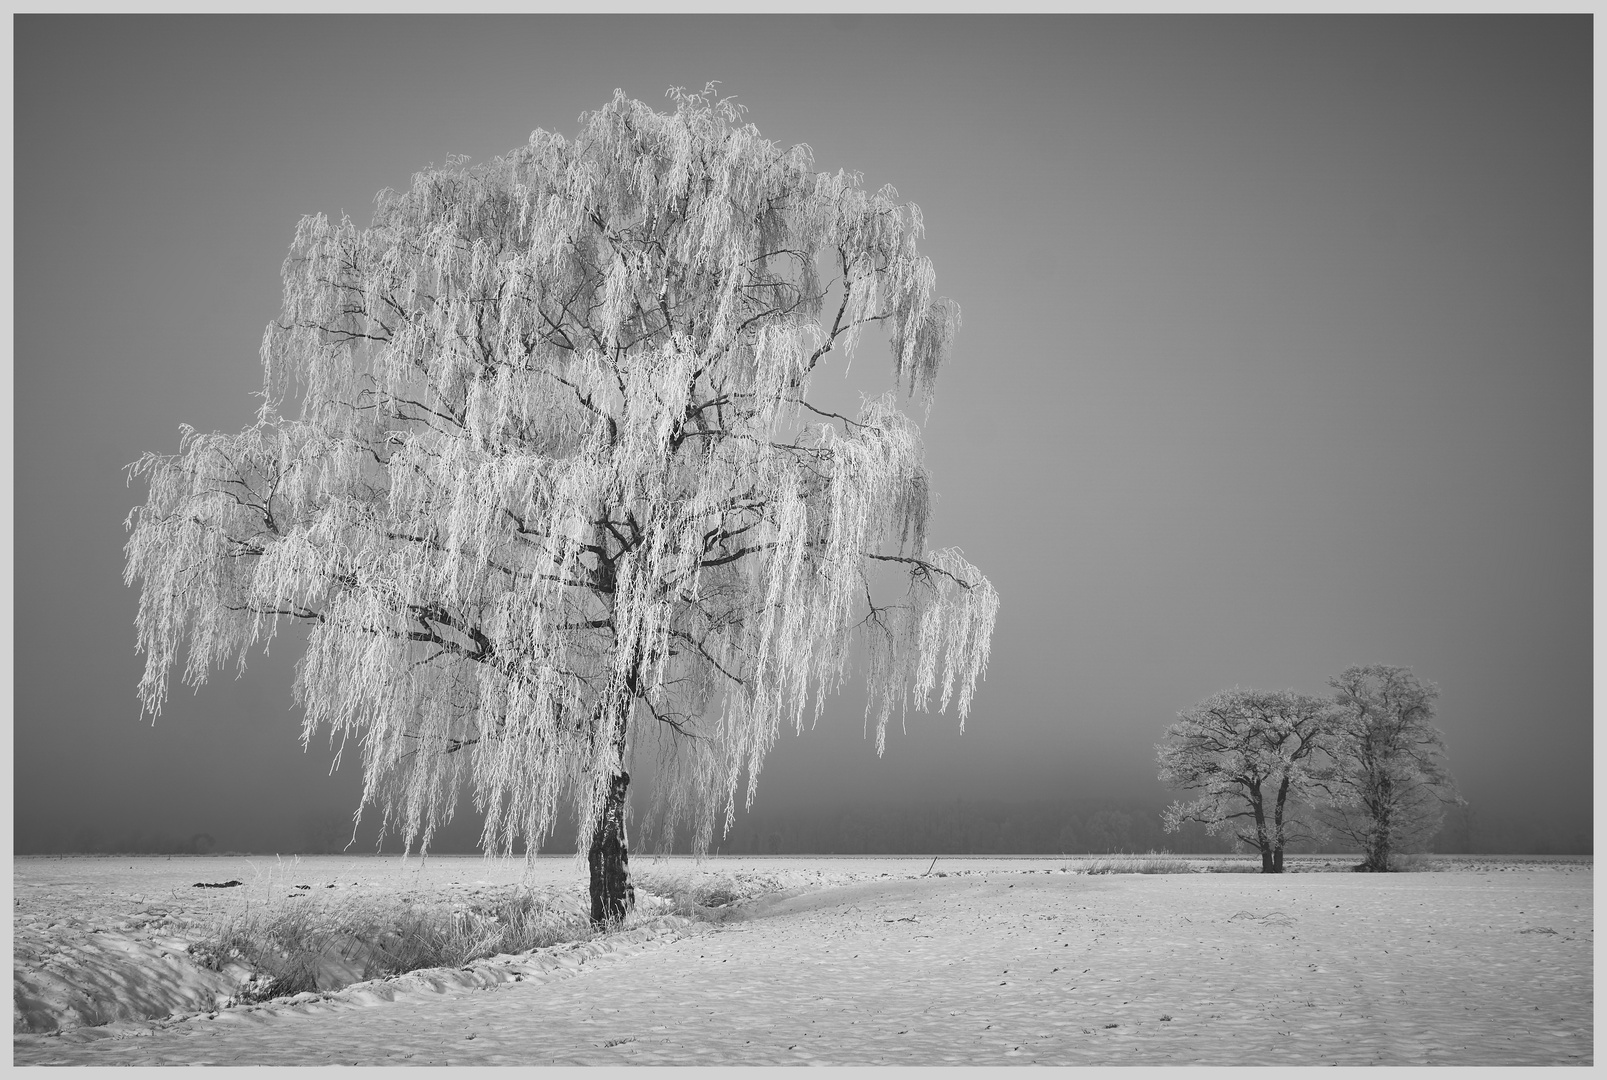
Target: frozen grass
pixel 294 946
pixel 700 895
pixel 1153 863
pixel 311 945
pixel 1412 864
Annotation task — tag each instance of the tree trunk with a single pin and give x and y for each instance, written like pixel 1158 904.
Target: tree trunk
pixel 611 891
pixel 1378 850
pixel 1261 840
pixel 1277 829
pixel 1378 853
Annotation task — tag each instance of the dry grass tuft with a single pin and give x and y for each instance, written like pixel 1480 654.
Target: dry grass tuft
pixel 317 945
pixel 1153 863
pixel 307 942
pixel 1412 863
pixel 701 895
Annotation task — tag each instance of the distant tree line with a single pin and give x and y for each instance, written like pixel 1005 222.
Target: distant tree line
pixel 90 841
pixel 952 827
pixel 967 827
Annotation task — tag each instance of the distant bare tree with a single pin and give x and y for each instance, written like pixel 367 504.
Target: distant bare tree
pixel 1251 753
pixel 557 495
pixel 1108 831
pixel 1389 781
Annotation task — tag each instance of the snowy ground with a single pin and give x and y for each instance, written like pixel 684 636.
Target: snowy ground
pixel 846 961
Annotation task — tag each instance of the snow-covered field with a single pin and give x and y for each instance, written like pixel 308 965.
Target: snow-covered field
pixel 841 961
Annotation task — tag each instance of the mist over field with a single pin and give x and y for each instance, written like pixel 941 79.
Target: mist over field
pixel 957 827
pixel 1275 359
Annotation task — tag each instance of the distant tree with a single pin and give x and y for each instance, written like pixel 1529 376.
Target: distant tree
pixel 1071 838
pixel 1461 832
pixel 1251 753
pixel 1108 831
pixel 1389 782
pixel 556 495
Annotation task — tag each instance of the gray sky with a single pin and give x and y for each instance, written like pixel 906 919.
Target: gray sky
pixel 1276 358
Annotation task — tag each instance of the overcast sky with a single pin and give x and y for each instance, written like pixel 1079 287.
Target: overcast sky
pixel 1276 358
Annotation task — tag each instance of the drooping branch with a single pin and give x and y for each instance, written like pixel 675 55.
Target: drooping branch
pixel 554 490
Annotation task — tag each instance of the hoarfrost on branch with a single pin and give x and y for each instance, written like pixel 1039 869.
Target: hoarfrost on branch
pixel 537 465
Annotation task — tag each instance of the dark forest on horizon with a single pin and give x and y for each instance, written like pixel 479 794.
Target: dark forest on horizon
pixel 952 827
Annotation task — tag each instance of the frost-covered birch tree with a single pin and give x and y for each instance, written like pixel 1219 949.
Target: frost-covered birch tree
pixel 1250 754
pixel 1390 780
pixel 538 467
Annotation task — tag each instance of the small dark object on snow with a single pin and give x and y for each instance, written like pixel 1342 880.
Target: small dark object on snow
pixel 216 884
pixel 1538 930
pixel 303 886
